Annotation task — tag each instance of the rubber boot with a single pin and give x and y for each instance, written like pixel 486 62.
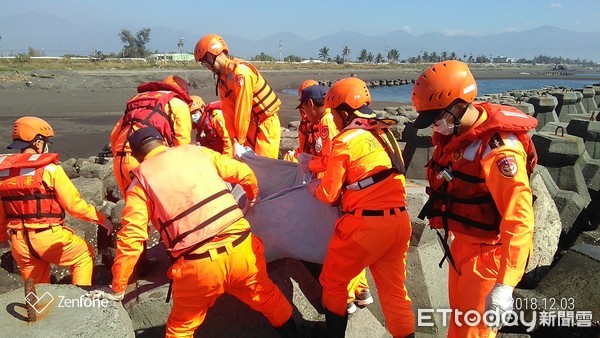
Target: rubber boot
pixel 336 325
pixel 289 329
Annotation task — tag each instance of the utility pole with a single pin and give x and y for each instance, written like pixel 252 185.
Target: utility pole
pixel 280 45
pixel 180 46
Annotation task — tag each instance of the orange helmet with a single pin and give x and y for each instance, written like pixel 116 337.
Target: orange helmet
pixel 306 83
pixel 440 86
pixel 26 129
pixel 211 43
pixel 351 95
pixel 177 81
pixel 197 104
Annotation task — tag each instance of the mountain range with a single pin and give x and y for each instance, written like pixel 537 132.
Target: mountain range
pixel 57 36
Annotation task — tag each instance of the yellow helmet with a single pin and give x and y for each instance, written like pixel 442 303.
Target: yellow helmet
pixel 197 104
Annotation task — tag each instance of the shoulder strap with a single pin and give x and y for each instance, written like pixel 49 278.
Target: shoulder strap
pixel 391 147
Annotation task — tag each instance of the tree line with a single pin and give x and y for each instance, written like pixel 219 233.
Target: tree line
pixel 135 47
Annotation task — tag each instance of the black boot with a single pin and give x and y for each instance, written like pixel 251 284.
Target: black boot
pixel 336 325
pixel 289 329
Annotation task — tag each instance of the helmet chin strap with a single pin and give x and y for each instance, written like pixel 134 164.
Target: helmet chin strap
pixel 457 120
pixel 456 125
pixel 216 77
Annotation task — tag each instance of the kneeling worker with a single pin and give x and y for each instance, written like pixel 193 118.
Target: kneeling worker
pixel 35 193
pixel 203 229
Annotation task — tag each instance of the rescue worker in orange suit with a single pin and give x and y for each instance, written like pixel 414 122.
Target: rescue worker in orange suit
pixel 205 233
pixel 329 123
pixel 250 105
pixel 479 192
pixel 210 125
pixel 366 171
pixel 307 131
pixel 35 193
pixel 164 105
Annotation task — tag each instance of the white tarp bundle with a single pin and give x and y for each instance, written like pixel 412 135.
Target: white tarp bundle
pixel 290 222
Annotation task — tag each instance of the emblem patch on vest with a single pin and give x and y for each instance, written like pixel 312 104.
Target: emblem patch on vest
pixel 507 166
pixel 239 80
pixel 324 132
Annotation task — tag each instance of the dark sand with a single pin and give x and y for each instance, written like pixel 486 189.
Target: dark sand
pixel 83 106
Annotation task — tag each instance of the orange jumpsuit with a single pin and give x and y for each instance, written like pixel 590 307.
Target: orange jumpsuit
pixel 379 242
pixel 216 122
pixel 240 270
pixel 58 244
pixel 485 259
pixel 327 129
pixel 179 113
pixel 261 131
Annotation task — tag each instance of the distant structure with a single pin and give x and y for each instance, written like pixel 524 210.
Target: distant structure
pixel 180 56
pixel 503 59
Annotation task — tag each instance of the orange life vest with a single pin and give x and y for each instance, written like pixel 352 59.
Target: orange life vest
pixel 24 194
pixel 206 134
pixel 191 201
pixel 148 108
pixel 265 101
pixel 459 199
pixel 311 134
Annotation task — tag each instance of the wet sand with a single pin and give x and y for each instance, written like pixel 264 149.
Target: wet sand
pixel 83 106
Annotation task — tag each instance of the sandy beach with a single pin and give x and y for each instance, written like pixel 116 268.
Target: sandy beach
pixel 83 106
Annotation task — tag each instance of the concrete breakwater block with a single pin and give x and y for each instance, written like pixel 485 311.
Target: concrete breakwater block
pixel 525 107
pixel 566 104
pixel 578 104
pixel 544 107
pixel 589 131
pixel 571 286
pixel 63 311
pixel 229 317
pixel 546 232
pixel 418 150
pixel 588 101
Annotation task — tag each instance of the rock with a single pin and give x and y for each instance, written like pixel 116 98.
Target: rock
pixel 293 125
pixel 69 168
pixel 90 189
pixel 95 170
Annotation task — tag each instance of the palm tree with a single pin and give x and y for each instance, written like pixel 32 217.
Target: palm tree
pixel 379 58
pixel 370 57
pixel 393 55
pixel 363 56
pixel 324 53
pixel 346 53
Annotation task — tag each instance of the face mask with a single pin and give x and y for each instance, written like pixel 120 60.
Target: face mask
pixel 195 117
pixel 442 127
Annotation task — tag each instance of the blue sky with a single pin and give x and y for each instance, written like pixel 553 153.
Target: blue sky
pixel 313 19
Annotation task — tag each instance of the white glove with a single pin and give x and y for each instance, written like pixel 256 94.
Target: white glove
pixel 303 161
pixel 238 150
pixel 108 226
pixel 498 301
pixel 312 186
pixel 250 204
pixel 105 292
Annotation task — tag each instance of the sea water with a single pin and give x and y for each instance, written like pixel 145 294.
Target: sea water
pixel 484 86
